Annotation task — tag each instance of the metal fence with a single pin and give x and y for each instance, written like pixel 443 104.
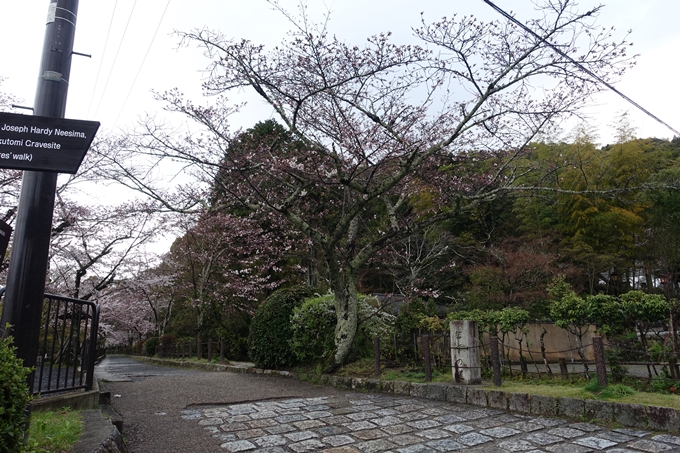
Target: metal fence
pixel 67 348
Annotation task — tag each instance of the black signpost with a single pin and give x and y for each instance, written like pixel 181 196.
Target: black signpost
pixel 44 144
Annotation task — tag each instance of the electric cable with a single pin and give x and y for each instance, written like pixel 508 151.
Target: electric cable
pixel 101 62
pixel 120 44
pixel 579 65
pixel 142 64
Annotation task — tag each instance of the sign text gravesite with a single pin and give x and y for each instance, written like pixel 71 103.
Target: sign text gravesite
pixel 40 143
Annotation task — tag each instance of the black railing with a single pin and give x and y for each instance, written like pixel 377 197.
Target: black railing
pixel 67 348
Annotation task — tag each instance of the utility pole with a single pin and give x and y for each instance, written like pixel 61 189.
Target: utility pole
pixel 22 307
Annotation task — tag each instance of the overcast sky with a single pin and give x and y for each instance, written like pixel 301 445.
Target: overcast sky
pixel 114 86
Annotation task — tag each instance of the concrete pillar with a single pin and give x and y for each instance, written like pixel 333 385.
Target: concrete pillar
pixel 465 352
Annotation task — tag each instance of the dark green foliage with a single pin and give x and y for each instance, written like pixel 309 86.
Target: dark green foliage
pixel 270 330
pixel 315 337
pixel 150 346
pixel 14 398
pixel 314 325
pixel 167 339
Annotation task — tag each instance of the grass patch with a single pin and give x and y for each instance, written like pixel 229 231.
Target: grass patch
pixel 615 393
pixel 54 432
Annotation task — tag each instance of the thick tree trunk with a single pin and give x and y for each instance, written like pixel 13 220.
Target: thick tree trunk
pixel 344 286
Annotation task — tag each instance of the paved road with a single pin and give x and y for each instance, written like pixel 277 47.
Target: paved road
pixel 168 410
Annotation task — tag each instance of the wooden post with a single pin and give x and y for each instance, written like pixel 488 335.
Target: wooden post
pixel 210 350
pixel 495 361
pixel 600 365
pixel 425 341
pixel 563 368
pixel 198 347
pixel 376 356
pixel 222 349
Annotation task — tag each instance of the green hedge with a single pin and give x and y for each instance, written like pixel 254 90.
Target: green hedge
pixel 270 331
pixel 14 397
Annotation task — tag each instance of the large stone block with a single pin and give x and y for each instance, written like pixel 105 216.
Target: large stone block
pixel 571 407
pixel 418 390
pixel 519 402
pixel 630 415
pixel 373 385
pixel 436 392
pixel 465 352
pixel 387 386
pixel 456 394
pixel 358 384
pixel 477 397
pixel 543 405
pixel 402 388
pixel 599 410
pixel 498 399
pixel 663 418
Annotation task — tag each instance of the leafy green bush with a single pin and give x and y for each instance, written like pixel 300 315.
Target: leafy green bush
pixel 270 330
pixel 313 325
pixel 14 398
pixel 150 346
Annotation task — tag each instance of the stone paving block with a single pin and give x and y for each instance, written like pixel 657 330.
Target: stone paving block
pixel 519 402
pixel 307 445
pixel 543 405
pixel 456 394
pixel 543 438
pixel 500 432
pixel 477 396
pixel 667 438
pixel 662 419
pixel 241 445
pixel 599 410
pixel 374 446
pixel 571 407
pixel 498 399
pixel 649 446
pixel 436 392
pixel 418 390
pixel 445 445
pixel 338 441
pixel 568 448
pixel 567 433
pixel 473 439
pixel 270 441
pixel 402 388
pixel 405 439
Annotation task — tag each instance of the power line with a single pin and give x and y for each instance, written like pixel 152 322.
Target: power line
pixel 101 62
pixel 143 61
pixel 579 65
pixel 120 44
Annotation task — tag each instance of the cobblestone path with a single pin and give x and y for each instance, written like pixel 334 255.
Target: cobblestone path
pixel 378 423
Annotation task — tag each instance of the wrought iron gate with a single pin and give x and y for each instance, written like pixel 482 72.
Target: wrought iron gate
pixel 67 345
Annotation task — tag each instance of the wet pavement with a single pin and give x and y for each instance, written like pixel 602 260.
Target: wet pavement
pixel 379 423
pixel 177 410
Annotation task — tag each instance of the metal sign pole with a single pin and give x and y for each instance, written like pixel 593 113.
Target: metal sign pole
pixel 29 258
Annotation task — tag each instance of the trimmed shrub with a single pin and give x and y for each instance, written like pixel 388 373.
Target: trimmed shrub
pixel 14 398
pixel 313 325
pixel 150 346
pixel 270 330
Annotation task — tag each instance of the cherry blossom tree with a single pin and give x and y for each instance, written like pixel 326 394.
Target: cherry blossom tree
pixel 225 263
pixel 380 141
